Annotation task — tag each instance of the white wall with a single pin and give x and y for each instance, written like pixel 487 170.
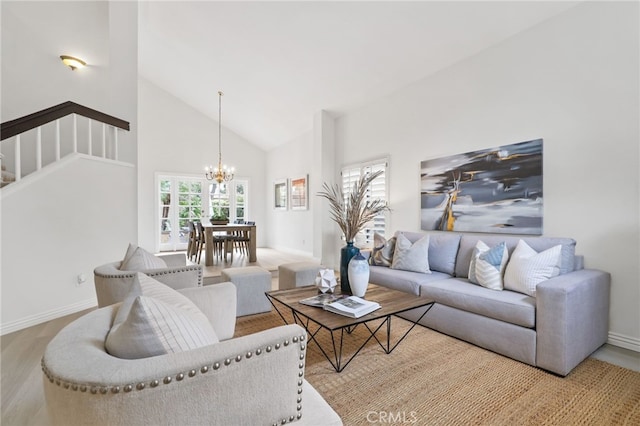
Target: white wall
pixel 56 227
pixel 291 230
pixel 84 214
pixel 573 81
pixel 175 138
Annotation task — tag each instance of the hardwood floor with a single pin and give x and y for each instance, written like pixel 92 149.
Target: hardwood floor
pixel 22 398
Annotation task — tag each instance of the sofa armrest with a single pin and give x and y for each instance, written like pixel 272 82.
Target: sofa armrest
pixel 572 318
pixel 218 303
pixel 254 379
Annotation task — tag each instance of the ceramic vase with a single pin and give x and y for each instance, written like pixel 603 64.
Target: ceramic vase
pixel 358 275
pixel 346 253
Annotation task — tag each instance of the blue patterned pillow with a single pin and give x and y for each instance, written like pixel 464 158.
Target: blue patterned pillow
pixel 488 264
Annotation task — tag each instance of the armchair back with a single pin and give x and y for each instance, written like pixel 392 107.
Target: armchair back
pixel 112 285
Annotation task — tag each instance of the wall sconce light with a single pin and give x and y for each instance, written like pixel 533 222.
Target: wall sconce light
pixel 72 62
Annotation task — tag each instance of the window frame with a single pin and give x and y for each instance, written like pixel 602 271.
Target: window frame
pixel 349 174
pixel 205 205
pixel 232 195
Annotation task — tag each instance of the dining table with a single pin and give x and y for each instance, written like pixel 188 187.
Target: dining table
pixel 210 228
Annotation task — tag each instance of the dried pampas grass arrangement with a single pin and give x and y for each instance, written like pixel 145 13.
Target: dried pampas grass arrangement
pixel 352 213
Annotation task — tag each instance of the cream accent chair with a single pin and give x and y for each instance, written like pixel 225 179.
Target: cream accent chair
pixel 250 380
pixel 112 285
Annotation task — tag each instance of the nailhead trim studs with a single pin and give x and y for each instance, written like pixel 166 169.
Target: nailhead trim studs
pixel 116 389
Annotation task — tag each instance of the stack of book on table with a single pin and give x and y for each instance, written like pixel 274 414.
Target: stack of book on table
pixel 350 306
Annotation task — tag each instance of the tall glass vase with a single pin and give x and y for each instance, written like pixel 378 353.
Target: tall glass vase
pixel 346 253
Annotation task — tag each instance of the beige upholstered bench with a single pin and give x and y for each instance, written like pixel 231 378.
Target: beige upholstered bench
pixel 251 283
pixel 297 274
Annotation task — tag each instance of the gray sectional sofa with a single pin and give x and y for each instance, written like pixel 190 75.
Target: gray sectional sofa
pixel 566 320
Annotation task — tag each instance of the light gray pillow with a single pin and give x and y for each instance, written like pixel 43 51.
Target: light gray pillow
pixel 154 320
pixel 382 254
pixel 528 268
pixel 138 259
pixel 443 251
pixel 411 257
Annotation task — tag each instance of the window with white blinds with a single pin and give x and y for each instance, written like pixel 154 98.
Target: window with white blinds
pixel 377 190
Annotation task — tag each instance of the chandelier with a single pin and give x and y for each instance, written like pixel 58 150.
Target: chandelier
pixel 221 173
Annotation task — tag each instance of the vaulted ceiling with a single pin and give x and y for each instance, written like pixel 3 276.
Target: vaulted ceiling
pixel 279 63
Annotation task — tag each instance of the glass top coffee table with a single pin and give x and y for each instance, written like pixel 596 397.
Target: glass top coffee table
pixel 314 319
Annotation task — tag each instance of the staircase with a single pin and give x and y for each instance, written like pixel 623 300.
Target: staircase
pixel 7 177
pixel 43 138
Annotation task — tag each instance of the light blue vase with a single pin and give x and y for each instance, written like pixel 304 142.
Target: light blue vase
pixel 358 275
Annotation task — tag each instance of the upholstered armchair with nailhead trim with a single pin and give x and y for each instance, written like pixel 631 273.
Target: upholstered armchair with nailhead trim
pixel 250 380
pixel 113 284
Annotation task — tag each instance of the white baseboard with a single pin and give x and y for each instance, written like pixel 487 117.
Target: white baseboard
pixel 32 320
pixel 623 341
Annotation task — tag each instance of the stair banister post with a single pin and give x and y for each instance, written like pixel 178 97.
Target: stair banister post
pixel 39 148
pixel 17 159
pixel 115 143
pixel 57 139
pixel 75 133
pixel 90 139
pixel 104 140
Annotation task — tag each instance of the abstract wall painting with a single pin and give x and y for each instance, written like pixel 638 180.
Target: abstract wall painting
pixel 496 190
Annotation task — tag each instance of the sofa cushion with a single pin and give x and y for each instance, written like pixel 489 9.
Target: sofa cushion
pixel 138 259
pixel 488 264
pixel 154 320
pixel 443 249
pixel 406 281
pixel 527 268
pixel 468 243
pixel 382 253
pixel 509 306
pixel 409 256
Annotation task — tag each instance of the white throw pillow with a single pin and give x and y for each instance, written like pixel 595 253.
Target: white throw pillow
pixel 138 259
pixel 488 264
pixel 155 320
pixel 411 257
pixel 527 268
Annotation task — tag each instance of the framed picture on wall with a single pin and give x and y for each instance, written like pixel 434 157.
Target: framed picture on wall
pixel 280 194
pixel 300 193
pixel 494 190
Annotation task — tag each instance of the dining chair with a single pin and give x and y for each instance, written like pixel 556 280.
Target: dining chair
pixel 219 242
pixel 242 241
pixel 192 242
pixel 200 240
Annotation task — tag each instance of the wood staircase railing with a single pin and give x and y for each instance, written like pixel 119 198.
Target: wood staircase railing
pixel 18 127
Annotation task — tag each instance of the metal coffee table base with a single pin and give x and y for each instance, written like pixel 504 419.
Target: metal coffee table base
pixel 337 335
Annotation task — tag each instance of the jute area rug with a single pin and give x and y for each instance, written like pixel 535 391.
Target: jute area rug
pixel 434 379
